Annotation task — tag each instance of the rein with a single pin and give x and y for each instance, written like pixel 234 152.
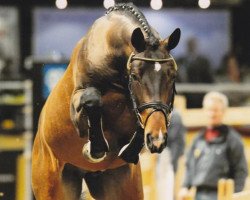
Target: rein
pixel 166 109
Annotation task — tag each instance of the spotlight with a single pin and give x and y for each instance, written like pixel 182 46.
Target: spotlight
pixel 204 4
pixel 108 3
pixel 156 4
pixel 61 4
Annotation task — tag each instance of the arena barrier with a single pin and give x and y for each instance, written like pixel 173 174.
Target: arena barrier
pixel 194 117
pixel 226 191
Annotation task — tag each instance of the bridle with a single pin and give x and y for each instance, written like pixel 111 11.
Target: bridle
pixel 166 109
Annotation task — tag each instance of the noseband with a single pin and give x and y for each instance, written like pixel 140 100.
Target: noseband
pixel 157 105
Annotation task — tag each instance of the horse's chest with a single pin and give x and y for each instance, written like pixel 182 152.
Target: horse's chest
pixel 114 108
pixel 116 111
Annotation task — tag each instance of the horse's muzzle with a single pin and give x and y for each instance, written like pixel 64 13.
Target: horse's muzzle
pixel 156 144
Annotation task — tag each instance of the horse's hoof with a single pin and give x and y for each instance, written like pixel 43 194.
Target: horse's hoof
pixel 96 158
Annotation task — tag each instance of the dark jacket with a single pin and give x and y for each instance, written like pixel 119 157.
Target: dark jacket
pixel 224 157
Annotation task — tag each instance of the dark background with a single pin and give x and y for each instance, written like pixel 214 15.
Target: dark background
pixel 240 20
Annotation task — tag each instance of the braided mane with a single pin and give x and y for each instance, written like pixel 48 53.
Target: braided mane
pixel 138 15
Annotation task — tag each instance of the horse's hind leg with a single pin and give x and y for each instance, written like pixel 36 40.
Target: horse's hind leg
pixel 72 182
pixel 123 183
pixel 89 101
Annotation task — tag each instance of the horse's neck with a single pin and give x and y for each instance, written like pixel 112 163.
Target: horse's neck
pixel 103 52
pixel 110 35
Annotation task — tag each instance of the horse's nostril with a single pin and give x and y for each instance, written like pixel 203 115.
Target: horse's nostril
pixel 149 140
pixel 149 137
pixel 165 139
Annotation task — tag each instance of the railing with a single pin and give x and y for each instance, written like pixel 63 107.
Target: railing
pixel 226 191
pixel 195 117
pixel 222 87
pixel 234 116
pixel 21 141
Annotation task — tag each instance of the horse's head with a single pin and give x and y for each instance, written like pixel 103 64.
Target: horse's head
pixel 152 71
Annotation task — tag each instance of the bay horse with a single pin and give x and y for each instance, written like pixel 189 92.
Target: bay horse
pixel 115 97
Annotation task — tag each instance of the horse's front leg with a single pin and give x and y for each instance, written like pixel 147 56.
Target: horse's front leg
pixel 86 114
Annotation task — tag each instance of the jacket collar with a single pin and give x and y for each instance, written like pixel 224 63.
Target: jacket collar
pixel 222 129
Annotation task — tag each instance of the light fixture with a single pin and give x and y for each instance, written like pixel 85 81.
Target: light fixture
pixel 204 4
pixel 156 4
pixel 108 3
pixel 61 4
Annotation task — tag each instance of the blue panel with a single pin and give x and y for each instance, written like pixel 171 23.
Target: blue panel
pixel 51 74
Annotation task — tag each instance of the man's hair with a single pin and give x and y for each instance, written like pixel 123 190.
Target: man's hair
pixel 218 96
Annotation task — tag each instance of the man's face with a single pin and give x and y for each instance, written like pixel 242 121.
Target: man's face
pixel 214 111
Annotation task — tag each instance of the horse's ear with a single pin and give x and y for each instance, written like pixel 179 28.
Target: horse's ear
pixel 173 39
pixel 137 40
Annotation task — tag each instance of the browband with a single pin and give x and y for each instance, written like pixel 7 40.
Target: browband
pixel 132 57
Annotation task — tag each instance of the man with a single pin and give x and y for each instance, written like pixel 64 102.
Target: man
pixel 217 152
pixel 194 68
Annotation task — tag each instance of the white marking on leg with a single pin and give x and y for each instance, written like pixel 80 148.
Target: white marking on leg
pixel 86 153
pixel 103 133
